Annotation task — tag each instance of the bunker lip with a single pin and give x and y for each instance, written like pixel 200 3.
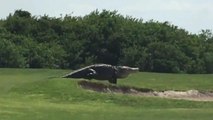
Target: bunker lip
pixel 193 95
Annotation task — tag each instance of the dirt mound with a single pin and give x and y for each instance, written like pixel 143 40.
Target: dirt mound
pixel 108 88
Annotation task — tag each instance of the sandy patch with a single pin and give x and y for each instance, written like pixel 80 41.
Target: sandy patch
pixel 194 95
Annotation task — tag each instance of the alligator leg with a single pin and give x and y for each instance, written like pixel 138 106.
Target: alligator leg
pixel 114 78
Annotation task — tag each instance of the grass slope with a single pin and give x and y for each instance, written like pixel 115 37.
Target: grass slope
pixel 40 94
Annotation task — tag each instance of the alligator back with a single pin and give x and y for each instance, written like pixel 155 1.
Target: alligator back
pixel 104 72
pixel 97 71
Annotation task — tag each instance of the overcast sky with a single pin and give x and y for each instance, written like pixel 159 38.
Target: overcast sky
pixel 192 15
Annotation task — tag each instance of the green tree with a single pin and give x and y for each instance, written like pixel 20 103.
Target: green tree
pixel 9 55
pixel 164 57
pixel 20 22
pixel 102 37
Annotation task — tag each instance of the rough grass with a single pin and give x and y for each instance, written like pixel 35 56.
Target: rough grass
pixel 40 94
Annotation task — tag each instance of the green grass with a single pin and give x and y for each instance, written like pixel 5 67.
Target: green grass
pixel 40 94
pixel 163 81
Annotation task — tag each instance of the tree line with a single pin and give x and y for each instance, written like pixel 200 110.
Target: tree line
pixel 28 41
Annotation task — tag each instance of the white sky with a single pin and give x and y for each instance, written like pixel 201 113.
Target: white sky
pixel 192 15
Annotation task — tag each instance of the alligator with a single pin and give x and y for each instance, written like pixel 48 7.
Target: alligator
pixel 102 72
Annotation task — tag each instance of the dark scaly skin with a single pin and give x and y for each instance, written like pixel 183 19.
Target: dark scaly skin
pixel 102 72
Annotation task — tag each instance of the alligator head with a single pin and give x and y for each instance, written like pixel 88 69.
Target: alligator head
pixel 124 71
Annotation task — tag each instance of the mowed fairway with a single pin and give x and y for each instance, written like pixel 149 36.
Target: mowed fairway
pixel 40 94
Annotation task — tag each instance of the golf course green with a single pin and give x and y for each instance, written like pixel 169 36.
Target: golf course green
pixel 41 94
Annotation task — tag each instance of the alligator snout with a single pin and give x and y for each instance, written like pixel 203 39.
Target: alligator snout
pixel 135 69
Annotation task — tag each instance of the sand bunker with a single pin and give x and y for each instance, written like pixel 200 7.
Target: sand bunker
pixel 194 95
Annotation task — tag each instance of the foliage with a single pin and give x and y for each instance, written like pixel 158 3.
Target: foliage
pixel 102 37
pixel 9 55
